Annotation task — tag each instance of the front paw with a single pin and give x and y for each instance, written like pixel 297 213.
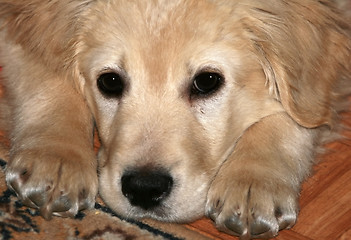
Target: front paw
pixel 54 184
pixel 252 208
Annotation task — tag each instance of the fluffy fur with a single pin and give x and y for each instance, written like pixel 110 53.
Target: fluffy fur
pixel 237 155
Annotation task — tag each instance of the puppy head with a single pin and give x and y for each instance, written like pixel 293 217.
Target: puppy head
pixel 167 126
pixel 191 76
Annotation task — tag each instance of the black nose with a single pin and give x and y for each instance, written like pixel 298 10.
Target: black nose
pixel 146 189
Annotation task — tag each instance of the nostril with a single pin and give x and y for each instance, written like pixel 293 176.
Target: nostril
pixel 146 189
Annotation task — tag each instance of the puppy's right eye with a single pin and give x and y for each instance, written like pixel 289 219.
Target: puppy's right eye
pixel 110 84
pixel 206 83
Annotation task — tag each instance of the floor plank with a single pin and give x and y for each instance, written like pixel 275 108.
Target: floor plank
pixel 329 214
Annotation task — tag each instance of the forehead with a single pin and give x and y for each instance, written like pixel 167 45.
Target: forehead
pixel 157 17
pixel 158 35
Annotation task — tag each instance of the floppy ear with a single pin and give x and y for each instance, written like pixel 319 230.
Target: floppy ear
pixel 45 29
pixel 304 50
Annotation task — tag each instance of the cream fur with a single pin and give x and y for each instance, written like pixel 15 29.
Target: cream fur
pixel 238 155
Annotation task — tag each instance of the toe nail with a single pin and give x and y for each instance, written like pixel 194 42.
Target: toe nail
pixel 38 198
pixel 64 214
pixel 212 213
pixel 61 204
pixel 286 222
pixel 235 225
pixel 29 203
pixel 46 212
pixel 259 227
pixel 284 225
pixel 15 186
pixel 85 205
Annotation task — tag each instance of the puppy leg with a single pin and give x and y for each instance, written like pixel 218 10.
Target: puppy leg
pixel 52 164
pixel 254 194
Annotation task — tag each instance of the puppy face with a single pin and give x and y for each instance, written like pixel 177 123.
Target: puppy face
pixel 184 87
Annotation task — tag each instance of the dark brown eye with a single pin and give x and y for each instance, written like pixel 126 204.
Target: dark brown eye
pixel 111 84
pixel 206 83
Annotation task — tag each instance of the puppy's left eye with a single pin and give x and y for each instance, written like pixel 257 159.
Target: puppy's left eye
pixel 206 83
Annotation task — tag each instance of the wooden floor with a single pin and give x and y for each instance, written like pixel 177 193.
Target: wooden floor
pixel 325 199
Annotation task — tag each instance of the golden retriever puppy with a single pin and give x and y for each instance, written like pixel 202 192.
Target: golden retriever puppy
pixel 203 107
